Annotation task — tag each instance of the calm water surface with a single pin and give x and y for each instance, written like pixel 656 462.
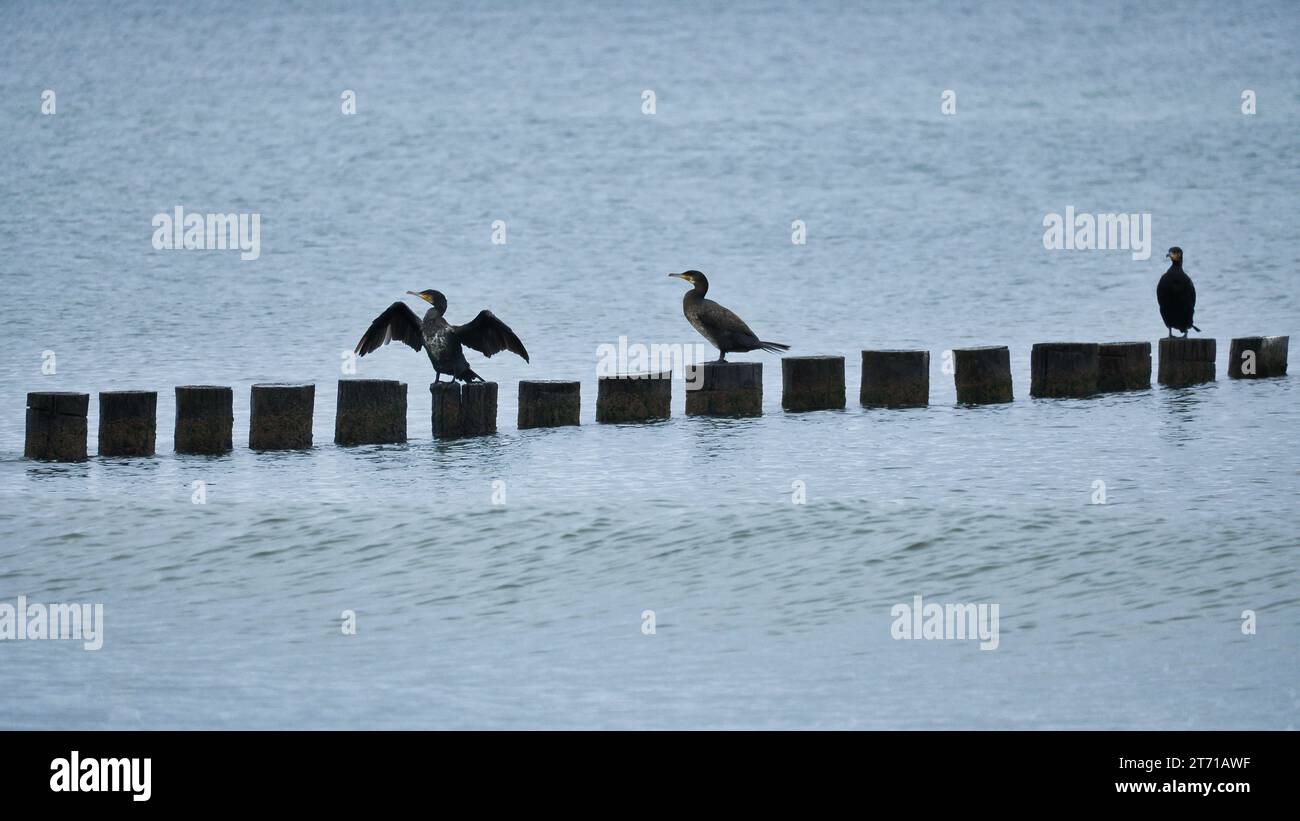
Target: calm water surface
pixel 923 231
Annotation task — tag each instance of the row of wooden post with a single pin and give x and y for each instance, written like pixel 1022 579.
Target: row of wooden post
pixel 373 411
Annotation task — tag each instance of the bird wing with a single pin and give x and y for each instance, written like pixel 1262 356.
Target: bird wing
pixel 488 335
pixel 398 322
pixel 724 319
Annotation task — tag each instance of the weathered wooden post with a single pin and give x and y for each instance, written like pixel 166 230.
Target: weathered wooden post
pixel 280 416
pixel 812 382
pixel 468 409
pixel 1258 357
pixel 1063 369
pixel 549 403
pixel 128 423
pixel 982 375
pixel 895 379
pixel 370 412
pixel 205 419
pixel 1186 360
pixel 724 389
pixel 56 426
pixel 1123 366
pixel 636 397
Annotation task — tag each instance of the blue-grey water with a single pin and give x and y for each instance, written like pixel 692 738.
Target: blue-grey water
pixel 923 230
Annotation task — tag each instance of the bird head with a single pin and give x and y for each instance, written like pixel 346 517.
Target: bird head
pixel 1175 255
pixel 694 277
pixel 434 298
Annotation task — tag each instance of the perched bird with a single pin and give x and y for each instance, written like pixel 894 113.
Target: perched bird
pixel 1176 295
pixel 726 331
pixel 441 340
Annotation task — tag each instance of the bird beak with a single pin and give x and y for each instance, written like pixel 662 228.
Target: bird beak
pixel 421 296
pixel 1168 256
pixel 679 276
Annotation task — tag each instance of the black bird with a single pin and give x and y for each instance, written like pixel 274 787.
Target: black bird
pixel 440 339
pixel 1176 295
pixel 715 323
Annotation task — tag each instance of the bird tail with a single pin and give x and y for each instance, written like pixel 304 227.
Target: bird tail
pixel 1194 328
pixel 773 347
pixel 468 375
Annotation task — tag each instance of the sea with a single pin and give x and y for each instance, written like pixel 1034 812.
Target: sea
pixel 849 176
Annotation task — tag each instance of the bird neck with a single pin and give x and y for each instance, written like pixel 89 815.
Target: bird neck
pixel 1175 266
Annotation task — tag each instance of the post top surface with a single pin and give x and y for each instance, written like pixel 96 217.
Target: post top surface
pixel 636 376
pixel 1261 337
pixel 806 358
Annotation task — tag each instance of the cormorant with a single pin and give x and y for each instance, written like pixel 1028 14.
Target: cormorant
pixel 1176 295
pixel 440 339
pixel 715 323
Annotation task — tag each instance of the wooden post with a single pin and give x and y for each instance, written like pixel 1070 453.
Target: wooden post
pixel 1186 360
pixel 549 403
pixel 56 426
pixel 1258 357
pixel 1124 366
pixel 468 409
pixel 895 379
pixel 205 419
pixel 1063 369
pixel 370 412
pixel 724 389
pixel 637 397
pixel 812 382
pixel 280 416
pixel 983 375
pixel 128 423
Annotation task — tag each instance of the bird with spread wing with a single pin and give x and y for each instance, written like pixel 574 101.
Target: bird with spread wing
pixel 442 341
